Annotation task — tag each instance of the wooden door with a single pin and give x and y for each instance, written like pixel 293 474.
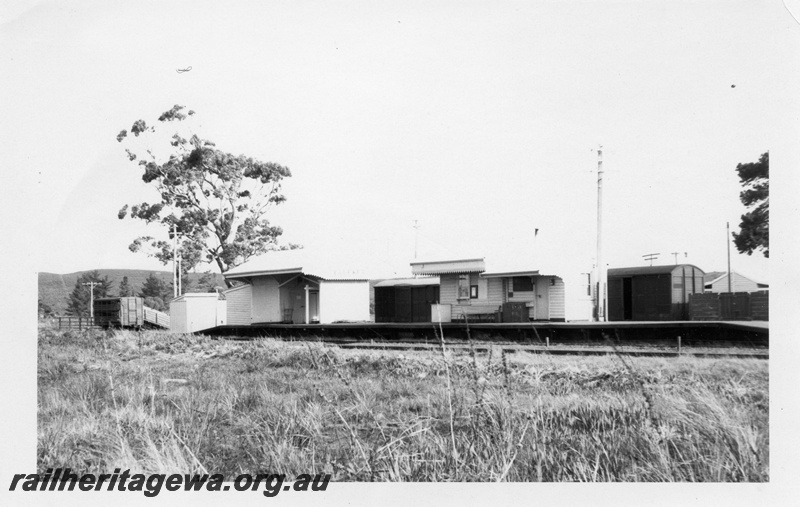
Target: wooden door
pixel 313 306
pixel 298 299
pixel 542 302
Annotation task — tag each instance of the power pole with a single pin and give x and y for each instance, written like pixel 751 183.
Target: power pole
pixel 601 271
pixel 675 254
pixel 91 296
pixel 174 260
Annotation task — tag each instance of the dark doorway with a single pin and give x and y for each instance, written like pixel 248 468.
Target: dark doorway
pixel 627 298
pixel 384 304
pixel 402 304
pixel 405 303
pixel 421 299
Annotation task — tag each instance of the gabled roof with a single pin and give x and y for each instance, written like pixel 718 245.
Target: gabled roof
pixel 712 276
pixel 478 265
pixel 649 270
pixel 328 265
pixel 448 267
pixel 721 275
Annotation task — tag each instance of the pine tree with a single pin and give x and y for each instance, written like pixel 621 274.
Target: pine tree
pixel 186 285
pixel 753 232
pixel 207 282
pixel 81 294
pixel 125 289
pixel 155 292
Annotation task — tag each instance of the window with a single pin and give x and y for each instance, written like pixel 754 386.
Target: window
pixel 473 292
pixel 522 284
pixel 463 290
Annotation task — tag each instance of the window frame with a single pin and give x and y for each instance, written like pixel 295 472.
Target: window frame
pixel 527 279
pixel 463 286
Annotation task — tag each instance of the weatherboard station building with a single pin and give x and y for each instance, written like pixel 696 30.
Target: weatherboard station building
pixel 297 287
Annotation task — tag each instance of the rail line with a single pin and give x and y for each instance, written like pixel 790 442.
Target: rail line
pixel 483 347
pixel 738 338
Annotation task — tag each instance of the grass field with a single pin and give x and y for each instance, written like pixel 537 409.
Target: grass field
pixel 155 402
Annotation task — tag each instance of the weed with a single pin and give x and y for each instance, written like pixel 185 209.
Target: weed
pixel 156 402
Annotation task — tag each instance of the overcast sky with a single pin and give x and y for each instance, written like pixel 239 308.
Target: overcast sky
pixel 480 120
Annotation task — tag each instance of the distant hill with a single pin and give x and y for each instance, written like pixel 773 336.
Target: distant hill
pixel 54 289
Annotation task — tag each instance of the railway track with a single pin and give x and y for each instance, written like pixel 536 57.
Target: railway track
pixel 633 338
pixel 482 347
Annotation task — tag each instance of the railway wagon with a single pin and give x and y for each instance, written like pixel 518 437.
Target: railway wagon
pixel 119 312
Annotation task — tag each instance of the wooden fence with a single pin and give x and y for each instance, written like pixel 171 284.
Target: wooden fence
pixel 151 316
pixel 729 306
pixel 759 305
pixel 69 322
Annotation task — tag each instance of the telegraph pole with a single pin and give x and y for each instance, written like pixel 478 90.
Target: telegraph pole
pixel 650 257
pixel 676 254
pixel 416 237
pixel 601 271
pixel 728 235
pixel 91 297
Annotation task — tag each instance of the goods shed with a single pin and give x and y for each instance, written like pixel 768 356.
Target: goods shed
pixel 652 292
pixel 406 299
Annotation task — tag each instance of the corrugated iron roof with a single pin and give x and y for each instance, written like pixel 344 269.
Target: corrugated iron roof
pixel 447 267
pixel 399 282
pixel 478 265
pixel 199 295
pixel 327 265
pixel 506 274
pixel 649 270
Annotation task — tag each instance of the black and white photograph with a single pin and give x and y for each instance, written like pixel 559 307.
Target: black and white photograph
pixel 296 251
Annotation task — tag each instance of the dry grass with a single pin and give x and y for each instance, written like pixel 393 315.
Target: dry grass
pixel 155 402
